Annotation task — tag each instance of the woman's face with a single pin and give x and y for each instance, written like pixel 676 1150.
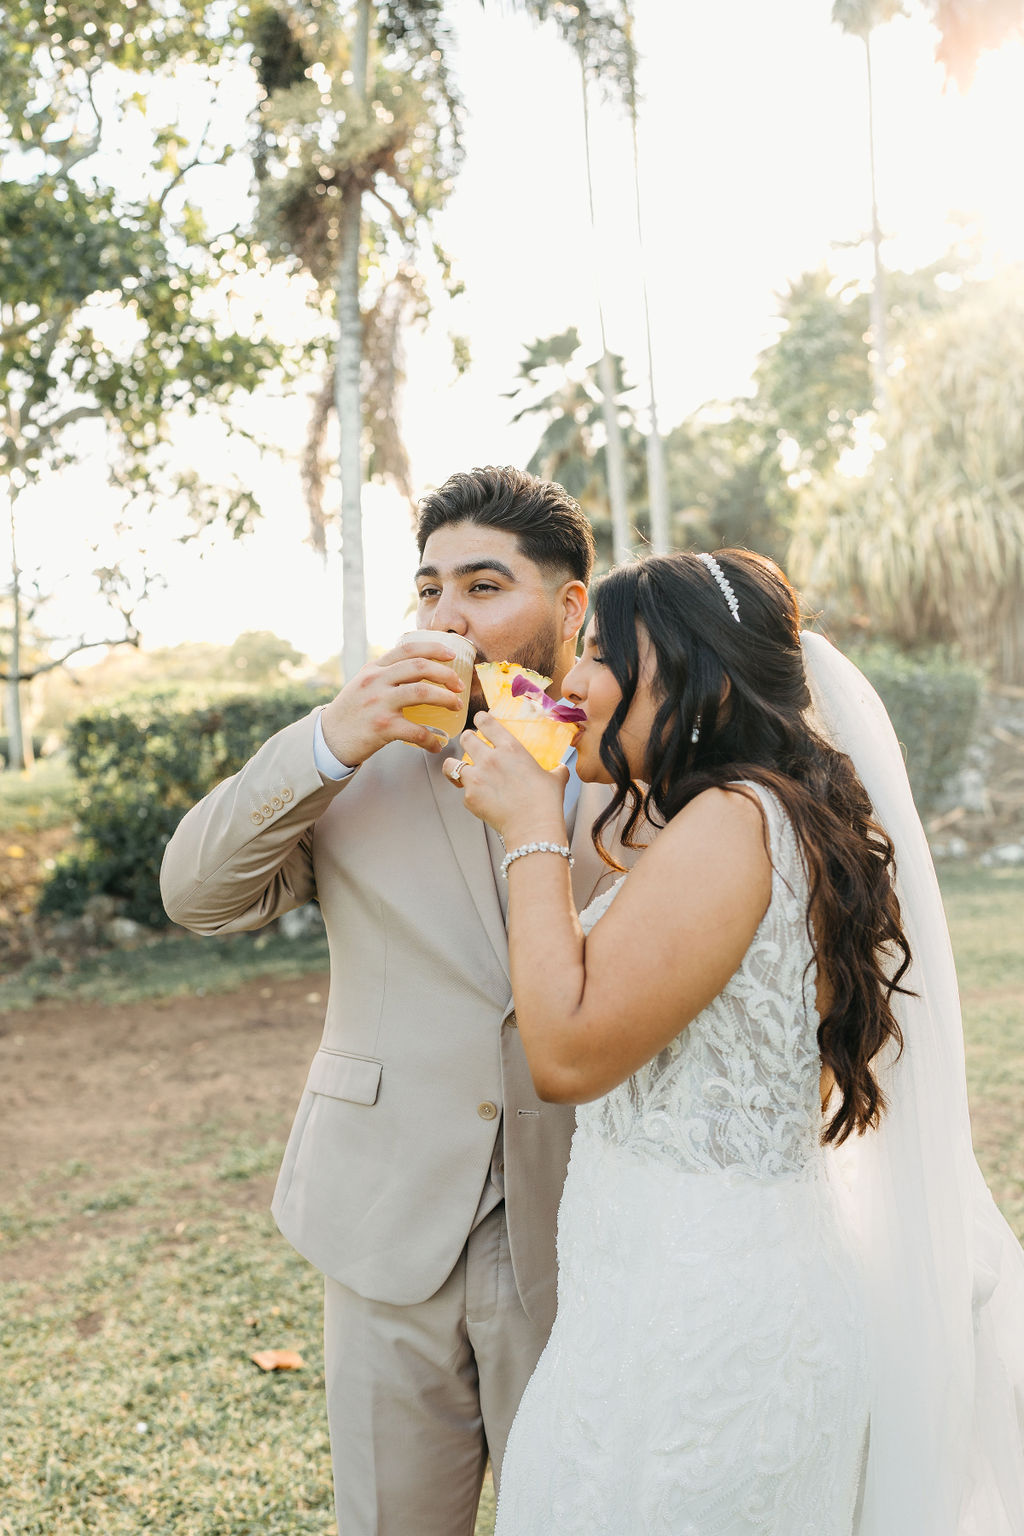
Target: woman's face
pixel 591 684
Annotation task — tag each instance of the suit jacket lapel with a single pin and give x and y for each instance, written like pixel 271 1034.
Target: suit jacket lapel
pixel 469 844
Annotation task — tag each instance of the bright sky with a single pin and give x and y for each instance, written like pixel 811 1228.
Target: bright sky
pixel 754 163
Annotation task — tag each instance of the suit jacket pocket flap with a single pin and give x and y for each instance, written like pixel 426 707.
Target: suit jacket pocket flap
pixel 355 1078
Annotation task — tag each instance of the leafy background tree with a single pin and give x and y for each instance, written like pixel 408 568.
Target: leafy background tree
pixel 112 301
pixel 927 544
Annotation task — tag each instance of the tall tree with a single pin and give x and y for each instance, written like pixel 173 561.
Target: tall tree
pixel 860 18
pixel 614 458
pixel 657 476
pixel 350 180
pixel 357 148
pixel 110 309
pixel 814 381
pixel 967 29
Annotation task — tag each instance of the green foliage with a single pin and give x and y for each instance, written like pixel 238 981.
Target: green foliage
pixel 726 482
pixel 814 381
pixel 860 17
pixel 932 700
pixel 140 768
pixel 928 541
pixel 113 296
pixel 74 247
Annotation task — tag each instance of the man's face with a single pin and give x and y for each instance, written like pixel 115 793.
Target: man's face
pixel 475 581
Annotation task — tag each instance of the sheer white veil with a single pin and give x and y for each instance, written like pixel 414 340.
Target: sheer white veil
pixel 943 1273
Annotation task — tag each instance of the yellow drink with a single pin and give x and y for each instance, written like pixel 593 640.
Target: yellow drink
pixel 445 722
pixel 547 741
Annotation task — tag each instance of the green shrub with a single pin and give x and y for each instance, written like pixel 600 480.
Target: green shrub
pixel 140 766
pixel 932 699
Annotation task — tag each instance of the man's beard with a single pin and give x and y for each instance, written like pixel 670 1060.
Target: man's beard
pixel 539 654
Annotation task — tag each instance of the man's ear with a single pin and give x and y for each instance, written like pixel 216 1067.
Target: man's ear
pixel 574 609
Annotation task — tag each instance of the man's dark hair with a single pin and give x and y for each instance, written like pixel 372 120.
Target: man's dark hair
pixel 550 527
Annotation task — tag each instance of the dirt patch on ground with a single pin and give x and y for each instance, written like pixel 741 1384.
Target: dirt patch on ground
pixel 100 1094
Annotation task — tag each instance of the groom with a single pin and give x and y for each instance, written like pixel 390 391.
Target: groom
pixel 422 1175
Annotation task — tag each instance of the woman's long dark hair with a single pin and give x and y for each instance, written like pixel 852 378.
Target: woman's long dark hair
pixel 745 685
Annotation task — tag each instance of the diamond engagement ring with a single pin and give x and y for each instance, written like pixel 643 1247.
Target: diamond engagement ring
pixel 456 773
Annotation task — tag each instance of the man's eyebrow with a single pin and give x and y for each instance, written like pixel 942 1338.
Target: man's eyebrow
pixel 470 568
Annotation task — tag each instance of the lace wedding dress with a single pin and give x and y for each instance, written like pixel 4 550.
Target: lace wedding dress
pixel 706 1372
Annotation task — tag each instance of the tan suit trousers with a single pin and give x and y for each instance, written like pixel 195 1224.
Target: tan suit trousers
pixel 418 1396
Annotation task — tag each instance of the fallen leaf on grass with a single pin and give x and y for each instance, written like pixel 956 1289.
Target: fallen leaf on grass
pixel 14 852
pixel 278 1360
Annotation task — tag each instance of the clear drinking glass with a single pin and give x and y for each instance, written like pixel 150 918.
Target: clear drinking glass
pixel 445 722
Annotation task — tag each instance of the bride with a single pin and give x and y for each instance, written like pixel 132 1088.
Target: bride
pixel 787 1305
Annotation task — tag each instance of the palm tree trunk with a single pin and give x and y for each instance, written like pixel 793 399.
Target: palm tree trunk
pixel 12 707
pixel 657 482
pixel 615 461
pixel 348 393
pixel 878 318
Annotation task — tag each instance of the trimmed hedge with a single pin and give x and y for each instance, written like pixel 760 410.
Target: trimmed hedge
pixel 141 766
pixel 933 700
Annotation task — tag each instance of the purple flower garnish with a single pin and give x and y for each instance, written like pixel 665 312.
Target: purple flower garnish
pixel 569 714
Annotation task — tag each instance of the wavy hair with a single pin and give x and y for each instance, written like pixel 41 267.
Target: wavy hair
pixel 743 685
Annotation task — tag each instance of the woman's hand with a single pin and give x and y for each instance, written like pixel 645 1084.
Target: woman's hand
pixel 505 787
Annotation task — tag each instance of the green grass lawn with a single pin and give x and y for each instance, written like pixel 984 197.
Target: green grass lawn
pixel 129 1400
pixel 41 798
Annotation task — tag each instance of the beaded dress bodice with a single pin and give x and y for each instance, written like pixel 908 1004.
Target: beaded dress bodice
pixel 738 1088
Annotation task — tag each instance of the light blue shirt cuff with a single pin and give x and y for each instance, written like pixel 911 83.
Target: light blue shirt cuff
pixel 324 758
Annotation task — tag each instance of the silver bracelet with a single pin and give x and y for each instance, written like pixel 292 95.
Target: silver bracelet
pixel 521 852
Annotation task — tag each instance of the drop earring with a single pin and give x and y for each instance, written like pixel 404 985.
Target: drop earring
pixel 695 733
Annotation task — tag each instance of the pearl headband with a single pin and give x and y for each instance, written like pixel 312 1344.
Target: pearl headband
pixel 723 581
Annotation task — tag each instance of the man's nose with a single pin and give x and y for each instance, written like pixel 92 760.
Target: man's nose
pixel 447 616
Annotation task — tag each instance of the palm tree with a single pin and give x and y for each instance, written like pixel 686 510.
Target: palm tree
pixel 965 32
pixel 615 468
pixel 572 403
pixel 657 477
pixel 860 18
pixel 358 145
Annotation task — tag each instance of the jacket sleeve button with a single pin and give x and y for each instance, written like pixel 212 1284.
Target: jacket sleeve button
pixel 286 795
pixel 257 818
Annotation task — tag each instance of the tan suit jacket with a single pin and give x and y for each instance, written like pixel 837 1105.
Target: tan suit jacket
pixel 395 1131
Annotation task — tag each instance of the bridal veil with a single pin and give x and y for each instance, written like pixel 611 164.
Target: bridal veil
pixel 943 1273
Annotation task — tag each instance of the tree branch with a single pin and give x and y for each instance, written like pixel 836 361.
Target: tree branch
pixel 76 413
pixel 183 170
pixel 15 332
pixel 396 217
pixel 50 666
